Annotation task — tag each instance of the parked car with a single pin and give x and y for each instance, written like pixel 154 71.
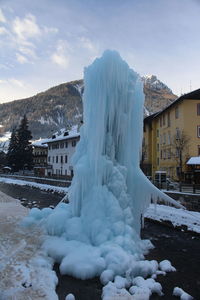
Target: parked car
pixel 171 184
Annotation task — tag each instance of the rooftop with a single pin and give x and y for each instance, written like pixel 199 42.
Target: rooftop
pixel 194 95
pixel 64 134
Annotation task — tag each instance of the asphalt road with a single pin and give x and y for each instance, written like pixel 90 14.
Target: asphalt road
pixel 180 247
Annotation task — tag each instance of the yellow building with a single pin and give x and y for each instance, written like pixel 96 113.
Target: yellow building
pixel 171 136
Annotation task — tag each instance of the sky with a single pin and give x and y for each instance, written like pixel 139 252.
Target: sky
pixel 46 42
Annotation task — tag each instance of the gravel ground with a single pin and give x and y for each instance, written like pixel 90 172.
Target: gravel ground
pixel 180 247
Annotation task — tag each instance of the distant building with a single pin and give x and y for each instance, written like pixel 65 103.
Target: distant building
pixel 61 147
pixel 40 153
pixel 162 129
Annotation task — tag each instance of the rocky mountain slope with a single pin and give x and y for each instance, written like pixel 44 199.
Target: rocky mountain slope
pixel 61 106
pixel 157 94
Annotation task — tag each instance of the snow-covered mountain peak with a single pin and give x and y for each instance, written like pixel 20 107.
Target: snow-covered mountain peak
pixel 151 81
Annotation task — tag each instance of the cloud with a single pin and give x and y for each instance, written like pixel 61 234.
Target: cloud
pixel 61 56
pixel 50 30
pixel 28 51
pixel 3 30
pixel 26 28
pixel 87 44
pixel 12 82
pixel 21 59
pixel 2 17
pixel 24 36
pixel 16 82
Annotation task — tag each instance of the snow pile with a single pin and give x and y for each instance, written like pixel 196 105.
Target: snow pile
pixel 25 269
pixel 166 266
pixel 180 293
pixel 177 216
pixel 70 297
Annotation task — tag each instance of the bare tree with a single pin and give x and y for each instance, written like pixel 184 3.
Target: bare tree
pixel 180 144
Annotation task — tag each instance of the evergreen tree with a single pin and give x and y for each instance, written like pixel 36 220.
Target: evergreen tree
pixel 24 148
pixel 12 151
pixel 3 160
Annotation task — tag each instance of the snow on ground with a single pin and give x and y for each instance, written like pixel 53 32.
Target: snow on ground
pixel 182 294
pixel 25 270
pixel 44 187
pixel 177 216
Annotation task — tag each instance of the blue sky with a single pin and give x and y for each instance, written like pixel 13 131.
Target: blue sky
pixel 46 42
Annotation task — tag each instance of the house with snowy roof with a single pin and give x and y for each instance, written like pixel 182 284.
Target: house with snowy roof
pixel 163 133
pixel 61 147
pixel 40 153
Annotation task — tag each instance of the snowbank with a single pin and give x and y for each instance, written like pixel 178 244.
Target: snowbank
pixel 25 270
pixel 177 216
pixel 44 187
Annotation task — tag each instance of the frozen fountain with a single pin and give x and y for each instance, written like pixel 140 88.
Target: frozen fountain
pixel 98 232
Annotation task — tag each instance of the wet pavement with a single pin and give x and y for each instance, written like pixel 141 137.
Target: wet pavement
pixel 182 248
pixel 30 196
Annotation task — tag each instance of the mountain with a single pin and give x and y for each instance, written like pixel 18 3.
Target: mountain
pixel 47 112
pixel 157 94
pixel 61 106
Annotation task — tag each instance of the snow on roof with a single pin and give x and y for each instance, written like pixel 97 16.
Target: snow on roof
pixel 40 143
pixel 64 134
pixel 195 160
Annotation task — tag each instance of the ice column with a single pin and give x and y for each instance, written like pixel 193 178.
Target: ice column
pixel 107 159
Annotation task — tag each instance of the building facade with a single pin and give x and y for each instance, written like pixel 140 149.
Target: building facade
pixel 172 137
pixel 60 150
pixel 40 152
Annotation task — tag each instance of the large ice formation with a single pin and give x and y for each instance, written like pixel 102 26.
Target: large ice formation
pixel 98 232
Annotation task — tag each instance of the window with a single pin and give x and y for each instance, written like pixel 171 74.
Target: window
pixel 61 145
pixel 198 109
pixel 49 159
pixel 169 138
pixel 49 147
pixel 157 147
pixel 157 132
pixel 177 152
pixel 161 154
pixel 73 143
pixel 178 133
pixel 168 119
pixel 160 121
pixel 66 144
pixel 168 153
pixel 164 138
pixel 56 159
pixel 65 158
pixel 164 154
pixel 177 112
pixel 163 119
pixel 198 131
pixel 161 139
pixel 157 160
pixel 53 159
pixel 61 159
